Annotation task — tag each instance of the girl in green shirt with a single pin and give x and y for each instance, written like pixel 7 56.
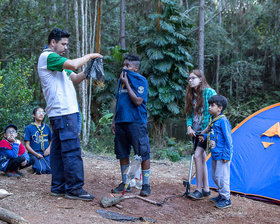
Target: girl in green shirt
pixel 197 110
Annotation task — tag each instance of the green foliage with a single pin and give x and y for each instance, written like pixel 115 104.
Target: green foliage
pixel 102 140
pixel 16 95
pixel 245 76
pixel 165 60
pixel 174 150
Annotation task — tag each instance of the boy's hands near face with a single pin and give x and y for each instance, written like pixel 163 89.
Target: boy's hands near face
pixel 123 77
pixel 12 138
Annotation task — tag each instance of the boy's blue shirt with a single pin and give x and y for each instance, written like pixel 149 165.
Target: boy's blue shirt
pixel 126 110
pixel 221 134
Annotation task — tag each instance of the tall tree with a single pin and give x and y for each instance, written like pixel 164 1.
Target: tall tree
pixel 201 36
pixel 122 24
pixel 218 49
pixel 166 63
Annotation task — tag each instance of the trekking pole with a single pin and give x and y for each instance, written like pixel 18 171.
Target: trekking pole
pixel 187 184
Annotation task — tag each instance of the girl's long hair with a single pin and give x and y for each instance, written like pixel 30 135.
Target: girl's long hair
pixel 199 91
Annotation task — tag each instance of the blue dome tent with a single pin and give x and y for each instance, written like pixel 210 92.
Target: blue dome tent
pixel 255 166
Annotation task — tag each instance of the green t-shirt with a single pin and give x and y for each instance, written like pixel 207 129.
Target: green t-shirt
pixel 55 63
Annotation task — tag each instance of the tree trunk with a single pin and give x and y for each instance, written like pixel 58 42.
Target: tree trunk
pixel 201 36
pixel 158 131
pixel 159 12
pixel 90 82
pixel 122 24
pixel 187 4
pixel 98 31
pixel 66 6
pixel 218 49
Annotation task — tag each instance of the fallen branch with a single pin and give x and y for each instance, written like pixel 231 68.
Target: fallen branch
pixel 11 217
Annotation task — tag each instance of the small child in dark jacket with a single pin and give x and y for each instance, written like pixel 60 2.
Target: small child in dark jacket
pixel 12 153
pixel 219 141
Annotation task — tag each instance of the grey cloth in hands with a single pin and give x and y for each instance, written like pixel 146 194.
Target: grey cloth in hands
pixel 95 69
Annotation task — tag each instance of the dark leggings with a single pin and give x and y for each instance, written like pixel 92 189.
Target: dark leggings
pixel 15 163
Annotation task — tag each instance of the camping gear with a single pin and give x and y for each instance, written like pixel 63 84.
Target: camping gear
pixel 187 183
pixel 131 171
pixel 256 156
pixel 122 218
pixel 110 201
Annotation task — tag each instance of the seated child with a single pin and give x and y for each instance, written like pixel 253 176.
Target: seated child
pixel 219 141
pixel 12 153
pixel 37 137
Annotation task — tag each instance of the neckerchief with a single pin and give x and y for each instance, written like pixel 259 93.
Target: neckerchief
pixel 41 136
pixel 211 123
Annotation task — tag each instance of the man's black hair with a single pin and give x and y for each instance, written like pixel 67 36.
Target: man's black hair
pixel 219 100
pixel 57 34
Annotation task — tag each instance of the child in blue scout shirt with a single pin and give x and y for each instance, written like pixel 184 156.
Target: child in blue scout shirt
pixel 130 122
pixel 219 141
pixel 37 137
pixel 12 153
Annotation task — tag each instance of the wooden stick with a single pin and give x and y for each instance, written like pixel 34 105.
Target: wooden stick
pixel 11 217
pixel 148 200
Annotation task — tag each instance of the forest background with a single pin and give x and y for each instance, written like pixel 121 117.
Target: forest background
pixel 235 42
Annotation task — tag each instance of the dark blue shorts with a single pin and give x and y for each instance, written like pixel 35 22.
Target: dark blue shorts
pixel 131 134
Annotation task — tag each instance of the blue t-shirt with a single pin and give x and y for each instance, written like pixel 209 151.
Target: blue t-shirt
pixel 126 110
pixel 32 134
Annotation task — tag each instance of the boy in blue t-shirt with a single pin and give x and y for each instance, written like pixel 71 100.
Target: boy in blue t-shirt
pixel 130 122
pixel 219 141
pixel 37 137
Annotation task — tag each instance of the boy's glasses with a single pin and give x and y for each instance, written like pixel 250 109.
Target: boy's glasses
pixel 41 112
pixel 11 132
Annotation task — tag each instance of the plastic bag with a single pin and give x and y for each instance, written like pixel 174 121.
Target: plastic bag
pixel 95 70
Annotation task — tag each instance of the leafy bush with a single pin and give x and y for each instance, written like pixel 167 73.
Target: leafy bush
pixel 174 150
pixel 102 140
pixel 16 94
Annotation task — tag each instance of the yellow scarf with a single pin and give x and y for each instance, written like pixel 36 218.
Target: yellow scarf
pixel 41 136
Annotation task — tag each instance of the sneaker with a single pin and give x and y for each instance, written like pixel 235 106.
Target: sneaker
pixel 80 195
pixel 57 194
pixel 12 174
pixel 216 199
pixel 223 203
pixel 120 188
pixel 206 193
pixel 196 195
pixel 145 190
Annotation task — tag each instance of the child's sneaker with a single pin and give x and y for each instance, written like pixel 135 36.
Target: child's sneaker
pixel 223 203
pixel 216 199
pixel 196 195
pixel 145 190
pixel 120 188
pixel 206 193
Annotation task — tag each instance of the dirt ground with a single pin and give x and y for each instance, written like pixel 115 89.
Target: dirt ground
pixel 31 198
